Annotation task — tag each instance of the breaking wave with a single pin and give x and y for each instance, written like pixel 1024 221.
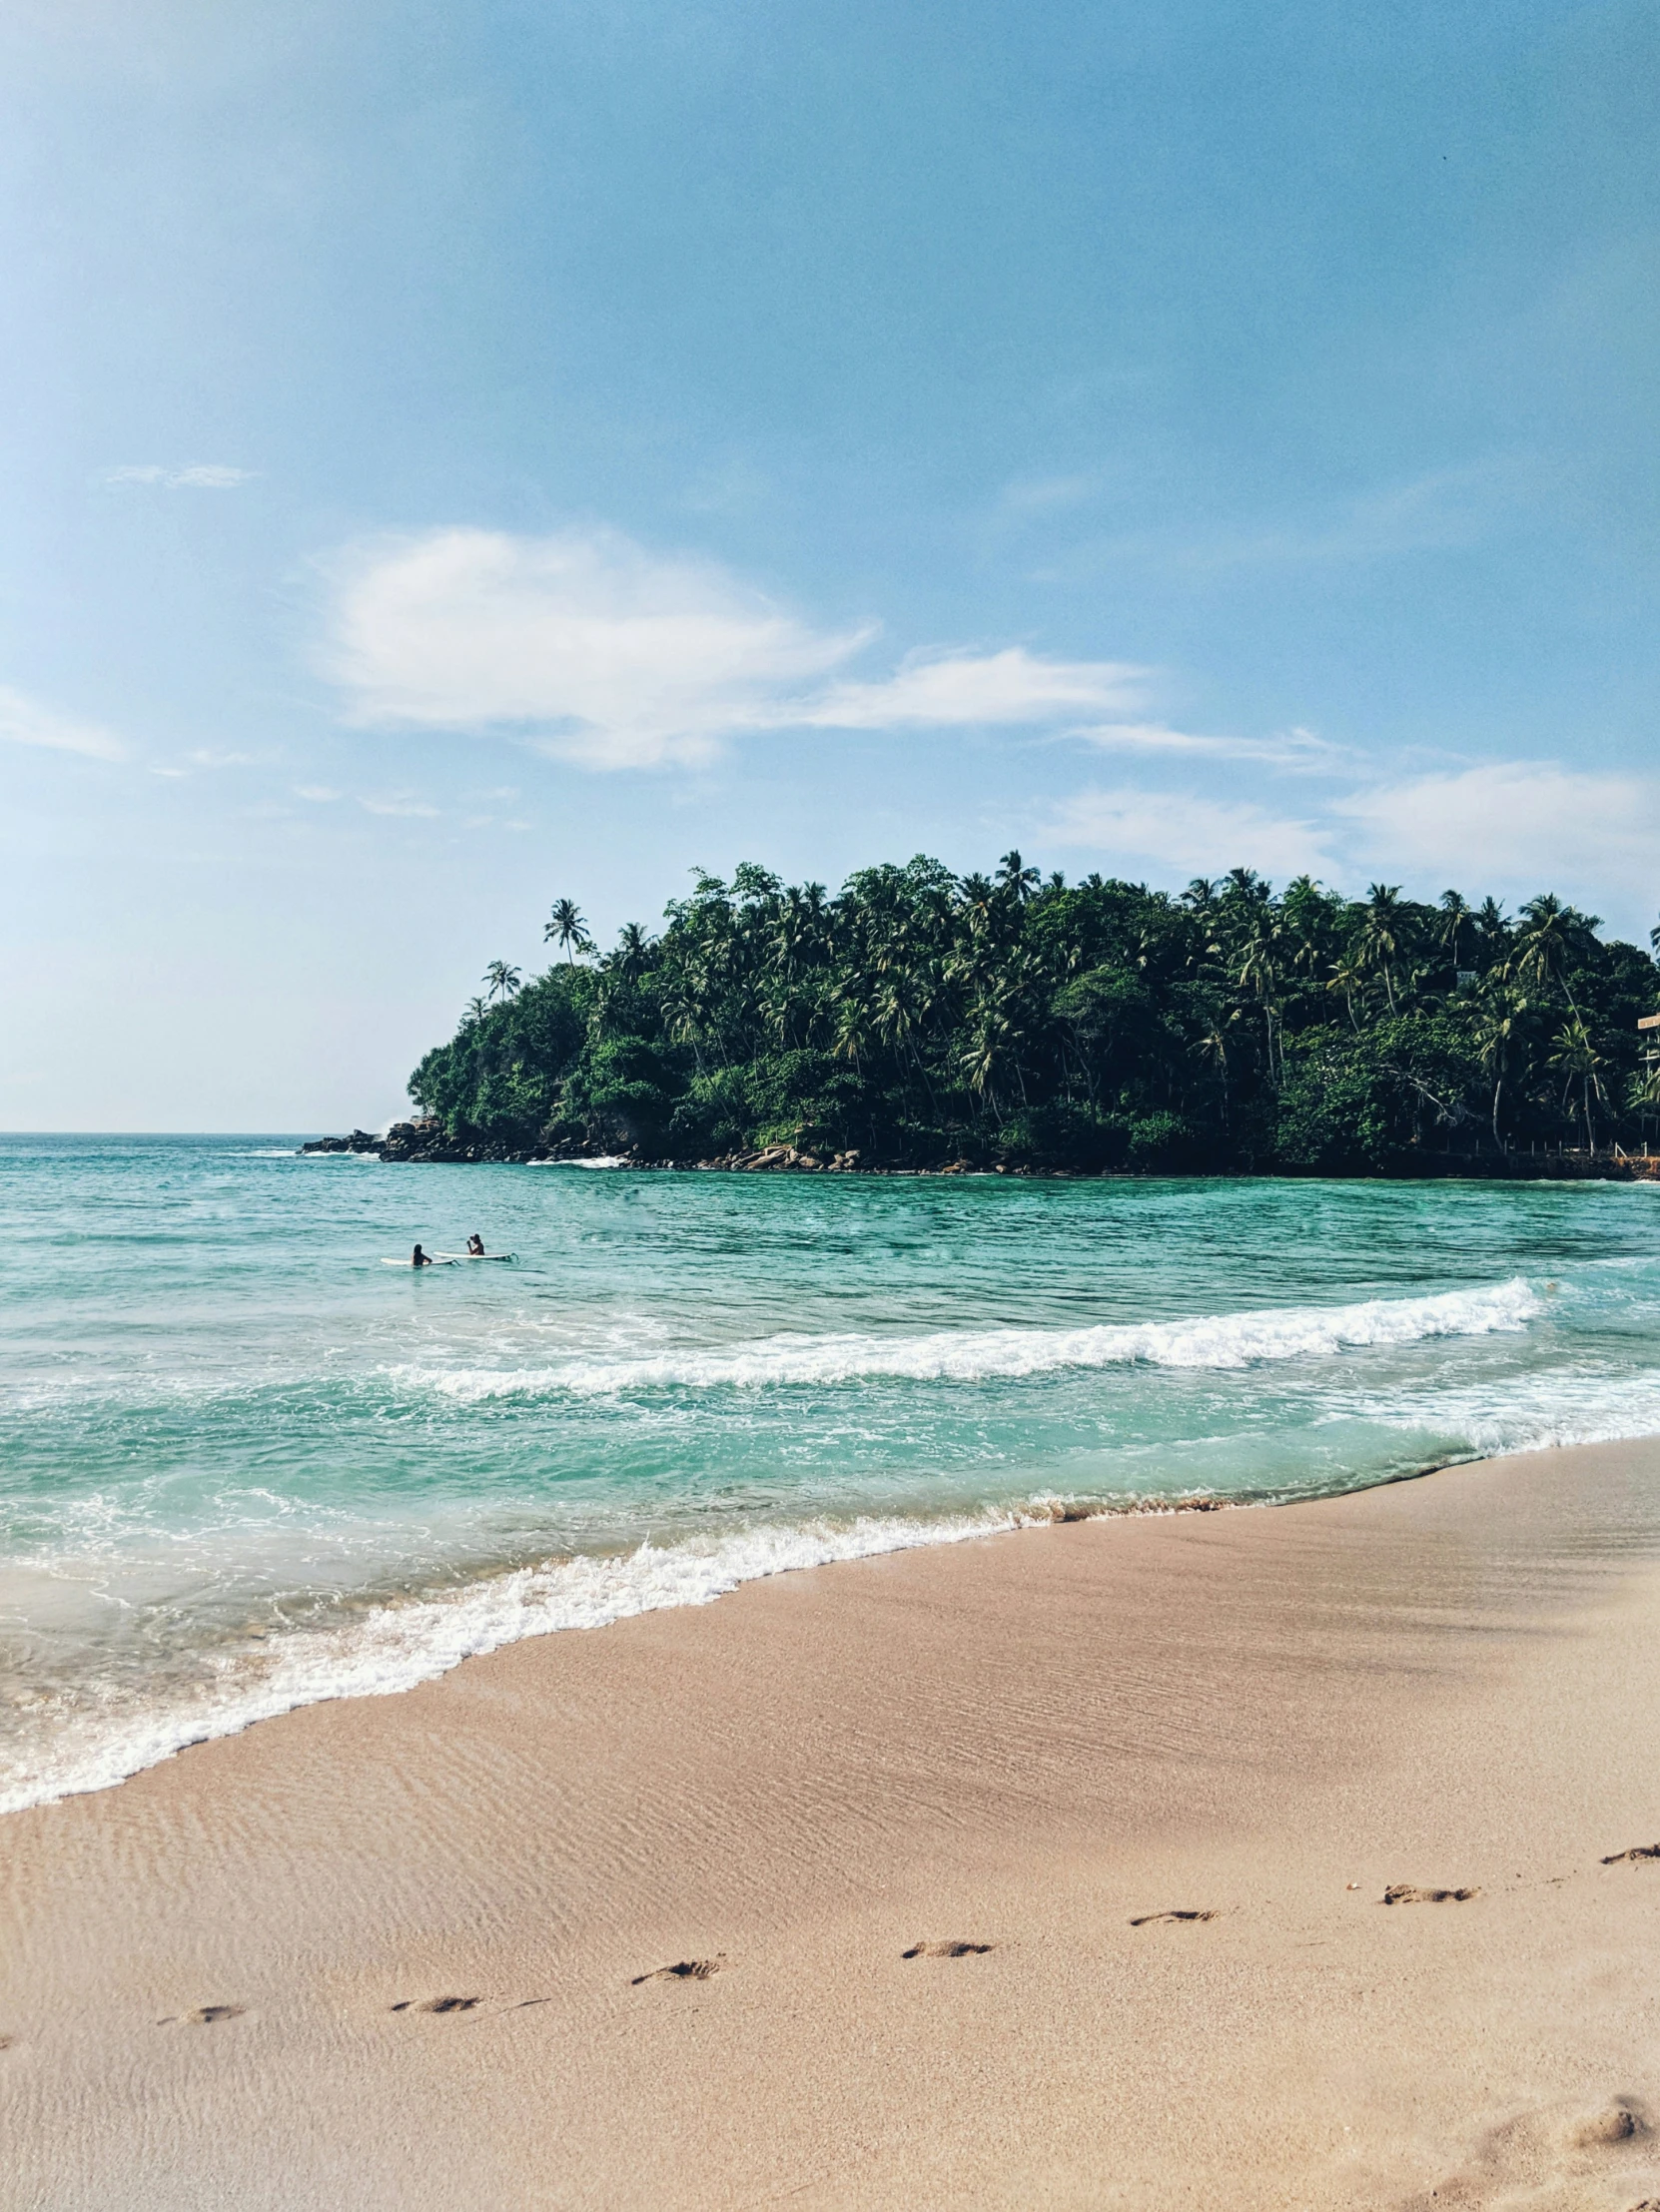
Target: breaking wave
pixel 1221 1341
pixel 396 1646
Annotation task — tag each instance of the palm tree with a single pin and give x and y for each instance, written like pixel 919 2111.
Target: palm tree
pixel 1455 911
pixel 633 948
pixel 991 1041
pixel 1016 881
pixel 1499 1030
pixel 1578 1059
pixel 683 1014
pixel 1550 935
pixel 1258 972
pixel 473 1013
pixel 977 894
pixel 569 928
pixel 1383 935
pixel 503 980
pixel 1306 924
pixel 1642 1094
pixel 1244 884
pixel 854 1027
pixel 1213 1045
pixel 1492 931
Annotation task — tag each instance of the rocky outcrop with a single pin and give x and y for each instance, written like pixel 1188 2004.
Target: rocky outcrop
pixel 419 1143
pixel 774 1157
pixel 359 1141
pixel 427 1142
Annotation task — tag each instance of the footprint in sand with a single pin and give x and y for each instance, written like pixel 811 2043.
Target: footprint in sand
pixel 1617 2123
pixel 946 1950
pixel 1402 1893
pixel 1555 2144
pixel 683 1969
pixel 438 2004
pixel 1147 1920
pixel 204 2015
pixel 1637 1851
pixel 1574 2153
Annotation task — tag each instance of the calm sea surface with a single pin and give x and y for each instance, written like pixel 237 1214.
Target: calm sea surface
pixel 243 1464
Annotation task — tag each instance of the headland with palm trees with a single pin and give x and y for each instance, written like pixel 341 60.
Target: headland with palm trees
pixel 920 1018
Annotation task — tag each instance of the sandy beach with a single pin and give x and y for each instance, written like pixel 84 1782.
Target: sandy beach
pixel 1049 1869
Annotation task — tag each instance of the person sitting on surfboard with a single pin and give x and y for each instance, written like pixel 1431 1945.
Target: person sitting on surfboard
pixel 420 1259
pixel 476 1246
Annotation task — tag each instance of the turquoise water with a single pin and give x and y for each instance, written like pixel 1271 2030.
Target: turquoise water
pixel 243 1464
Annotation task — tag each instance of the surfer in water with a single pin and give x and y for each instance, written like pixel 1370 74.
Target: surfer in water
pixel 421 1259
pixel 476 1246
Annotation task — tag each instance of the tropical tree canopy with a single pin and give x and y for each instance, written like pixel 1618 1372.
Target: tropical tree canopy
pixel 920 1017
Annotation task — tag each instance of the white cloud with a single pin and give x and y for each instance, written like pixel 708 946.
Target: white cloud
pixel 402 805
pixel 26 722
pixel 1042 494
pixel 595 649
pixel 607 654
pixel 1294 748
pixel 211 475
pixel 958 690
pixel 321 794
pixel 1447 508
pixel 1194 837
pixel 1515 823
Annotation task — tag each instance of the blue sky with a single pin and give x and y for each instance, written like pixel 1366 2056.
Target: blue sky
pixel 460 456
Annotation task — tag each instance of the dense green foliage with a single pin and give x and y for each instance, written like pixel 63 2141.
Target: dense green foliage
pixel 923 1018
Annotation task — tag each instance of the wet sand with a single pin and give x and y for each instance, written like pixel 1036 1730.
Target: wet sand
pixel 1044 1870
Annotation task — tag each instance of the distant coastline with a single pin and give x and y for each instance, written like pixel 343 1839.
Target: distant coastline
pixel 920 1022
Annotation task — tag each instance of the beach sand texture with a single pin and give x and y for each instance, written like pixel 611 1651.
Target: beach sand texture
pixel 1049 1869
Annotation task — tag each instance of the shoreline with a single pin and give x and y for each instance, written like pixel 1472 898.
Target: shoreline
pixel 379 1653
pixel 346 1675
pixel 423 1144
pixel 422 1939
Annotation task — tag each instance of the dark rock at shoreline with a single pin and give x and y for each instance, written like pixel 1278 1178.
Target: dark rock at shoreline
pixel 417 1144
pixel 359 1141
pixel 427 1142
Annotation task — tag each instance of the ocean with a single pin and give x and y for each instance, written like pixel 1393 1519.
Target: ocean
pixel 246 1465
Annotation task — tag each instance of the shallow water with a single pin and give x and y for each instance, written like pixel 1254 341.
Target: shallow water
pixel 243 1464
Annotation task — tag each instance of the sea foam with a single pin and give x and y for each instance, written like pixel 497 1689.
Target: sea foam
pixel 1215 1340
pixel 398 1646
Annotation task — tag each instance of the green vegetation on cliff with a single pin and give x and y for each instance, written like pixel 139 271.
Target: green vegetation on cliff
pixel 923 1018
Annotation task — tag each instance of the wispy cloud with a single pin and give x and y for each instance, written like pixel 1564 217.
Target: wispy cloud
pixel 210 475
pixel 1512 827
pixel 321 794
pixel 1294 748
pixel 1047 494
pixel 1192 836
pixel 401 805
pixel 595 649
pixel 1442 509
pixel 1513 822
pixel 26 721
pixel 957 690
